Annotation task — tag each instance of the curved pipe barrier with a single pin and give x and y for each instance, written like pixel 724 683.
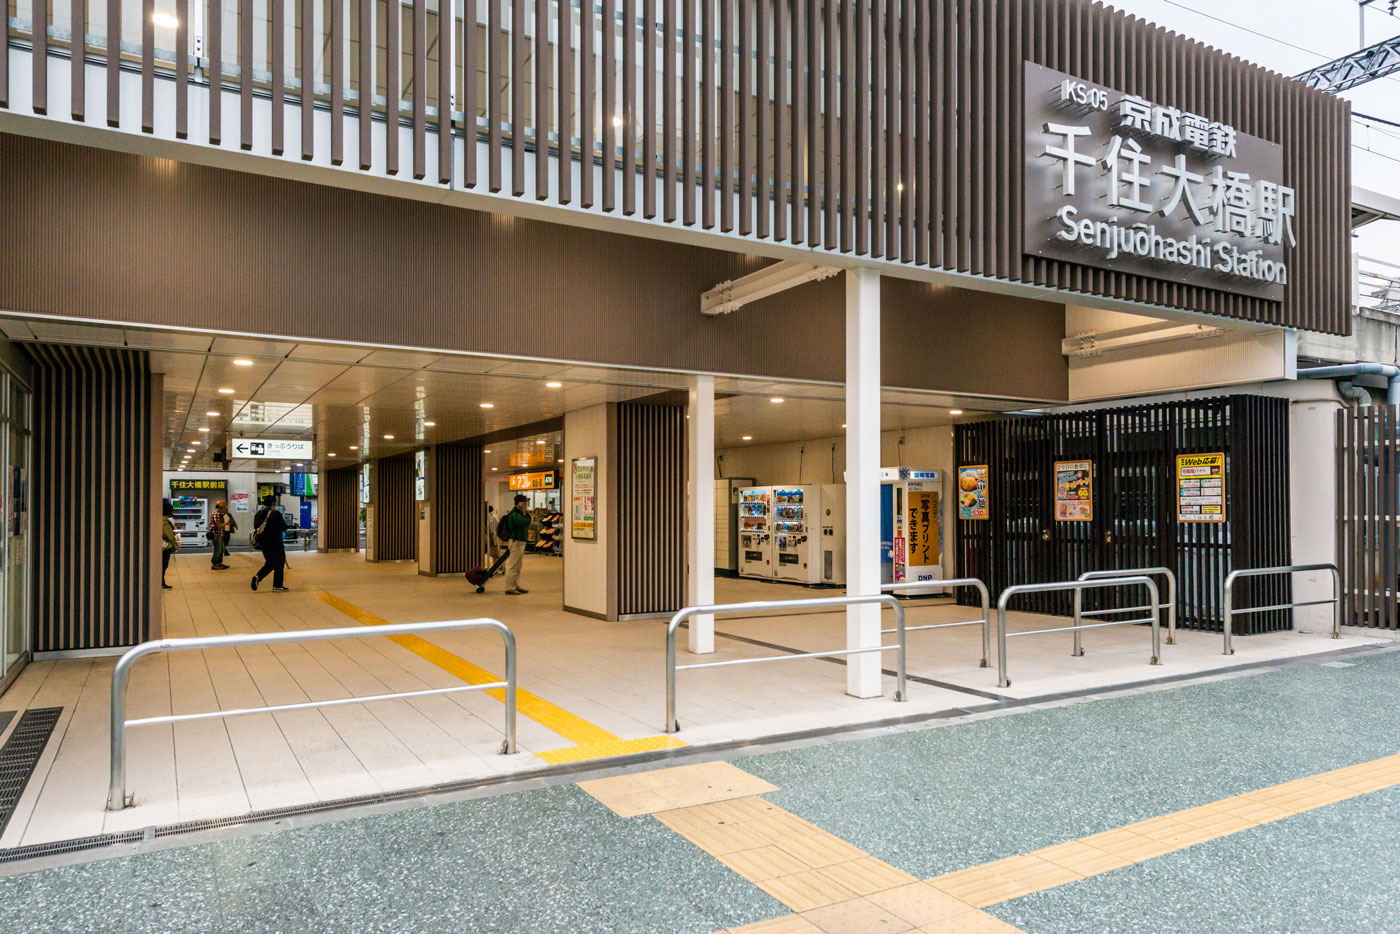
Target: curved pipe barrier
pixel 985 622
pixel 1229 598
pixel 900 692
pixel 1154 601
pixel 1169 605
pixel 117 798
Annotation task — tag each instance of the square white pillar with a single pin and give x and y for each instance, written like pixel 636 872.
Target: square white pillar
pixel 700 509
pixel 863 477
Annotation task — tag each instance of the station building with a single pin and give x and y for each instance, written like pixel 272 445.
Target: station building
pixel 632 259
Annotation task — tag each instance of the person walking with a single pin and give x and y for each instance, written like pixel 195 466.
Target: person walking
pixel 517 524
pixel 218 535
pixel 269 525
pixel 169 541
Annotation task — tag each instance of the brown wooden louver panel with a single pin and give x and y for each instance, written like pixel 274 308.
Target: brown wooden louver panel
pixel 650 508
pixel 340 508
pixel 1368 515
pixel 91 580
pixel 459 508
pixel 890 129
pixel 395 509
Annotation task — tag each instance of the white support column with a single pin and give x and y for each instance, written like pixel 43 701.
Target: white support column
pixel 700 509
pixel 863 477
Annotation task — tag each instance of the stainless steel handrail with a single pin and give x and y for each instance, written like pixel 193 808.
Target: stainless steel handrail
pixel 1154 602
pixel 1228 597
pixel 985 621
pixel 673 726
pixel 1169 606
pixel 117 798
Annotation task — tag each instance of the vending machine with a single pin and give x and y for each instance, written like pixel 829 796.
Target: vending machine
pixel 756 532
pixel 727 524
pixel 833 534
pixel 797 534
pixel 911 527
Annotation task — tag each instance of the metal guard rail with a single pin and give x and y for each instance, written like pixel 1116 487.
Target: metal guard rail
pixel 1078 586
pixel 117 798
pixel 1231 612
pixel 900 693
pixel 985 621
pixel 1169 605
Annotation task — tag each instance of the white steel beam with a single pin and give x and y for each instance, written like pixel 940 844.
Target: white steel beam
pixel 733 294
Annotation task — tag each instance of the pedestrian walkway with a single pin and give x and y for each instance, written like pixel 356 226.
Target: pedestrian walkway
pixel 1199 808
pixel 589 690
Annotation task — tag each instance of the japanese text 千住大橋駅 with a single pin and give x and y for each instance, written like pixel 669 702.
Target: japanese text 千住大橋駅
pixel 1152 189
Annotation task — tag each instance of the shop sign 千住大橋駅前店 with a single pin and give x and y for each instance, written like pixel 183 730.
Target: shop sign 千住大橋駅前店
pixel 1118 182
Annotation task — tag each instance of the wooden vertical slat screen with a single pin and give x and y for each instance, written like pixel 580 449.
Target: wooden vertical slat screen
pixel 459 511
pixel 1368 515
pixel 340 508
pixel 91 583
pixel 650 508
pixel 182 72
pixel 883 129
pixel 395 509
pixel 39 64
pixel 78 61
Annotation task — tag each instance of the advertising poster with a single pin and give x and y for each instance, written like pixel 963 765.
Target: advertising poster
pixel 924 550
pixel 972 493
pixel 420 475
pixel 585 498
pixel 1200 487
pixel 239 502
pixel 1074 491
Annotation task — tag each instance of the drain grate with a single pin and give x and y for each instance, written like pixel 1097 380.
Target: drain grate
pixel 21 753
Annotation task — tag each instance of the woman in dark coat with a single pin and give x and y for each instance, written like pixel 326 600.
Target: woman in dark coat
pixel 270 526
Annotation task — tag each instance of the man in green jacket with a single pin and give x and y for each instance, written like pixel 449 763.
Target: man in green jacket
pixel 517 522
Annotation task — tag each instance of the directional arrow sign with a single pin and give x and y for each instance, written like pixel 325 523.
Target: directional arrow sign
pixel 281 449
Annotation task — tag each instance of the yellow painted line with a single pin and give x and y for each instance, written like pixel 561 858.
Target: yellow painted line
pixel 590 740
pixel 1003 880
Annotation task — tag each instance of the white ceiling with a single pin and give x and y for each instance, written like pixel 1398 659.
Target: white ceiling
pixel 349 398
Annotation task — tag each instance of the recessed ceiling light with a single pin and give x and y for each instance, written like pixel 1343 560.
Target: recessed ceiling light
pixel 388 437
pixel 430 424
pixel 242 362
pixel 955 411
pixel 191 450
pixel 487 451
pixel 748 437
pixel 354 447
pixel 493 468
pixel 843 424
pixel 539 442
pixel 488 405
pixel 296 465
pixel 331 454
pixel 776 399
pixel 212 414
pixel 617 121
pixel 204 429
pixel 554 385
pixel 559 461
pixel 899 187
pixel 225 391
pixel 165 20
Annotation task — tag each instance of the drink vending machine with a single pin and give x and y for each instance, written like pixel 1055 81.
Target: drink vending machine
pixel 833 538
pixel 796 534
pixel 756 532
pixel 911 527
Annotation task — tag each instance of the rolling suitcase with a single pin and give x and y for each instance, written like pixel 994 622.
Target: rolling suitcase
pixel 478 576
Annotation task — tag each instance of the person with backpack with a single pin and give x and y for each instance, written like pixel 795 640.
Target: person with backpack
pixel 169 540
pixel 514 531
pixel 269 525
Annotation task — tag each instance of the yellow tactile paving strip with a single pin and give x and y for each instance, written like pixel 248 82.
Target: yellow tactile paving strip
pixel 835 887
pixel 1047 868
pixel 591 741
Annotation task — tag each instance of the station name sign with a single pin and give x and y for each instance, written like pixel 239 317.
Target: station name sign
pixel 1118 182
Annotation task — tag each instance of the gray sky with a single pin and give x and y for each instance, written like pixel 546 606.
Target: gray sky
pixel 1290 36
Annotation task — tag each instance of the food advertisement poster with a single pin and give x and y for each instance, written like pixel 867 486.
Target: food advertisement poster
pixel 585 498
pixel 972 493
pixel 1200 487
pixel 1074 491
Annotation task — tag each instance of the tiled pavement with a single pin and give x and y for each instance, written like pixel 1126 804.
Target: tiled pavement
pixel 1261 803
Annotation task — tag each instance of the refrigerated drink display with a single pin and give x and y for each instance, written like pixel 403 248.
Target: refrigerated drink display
pixel 796 553
pixel 756 532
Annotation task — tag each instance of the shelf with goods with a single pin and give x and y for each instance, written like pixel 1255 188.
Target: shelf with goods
pixel 191 514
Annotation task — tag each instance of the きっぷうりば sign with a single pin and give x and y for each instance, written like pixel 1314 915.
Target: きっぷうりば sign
pixel 1200 487
pixel 1116 181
